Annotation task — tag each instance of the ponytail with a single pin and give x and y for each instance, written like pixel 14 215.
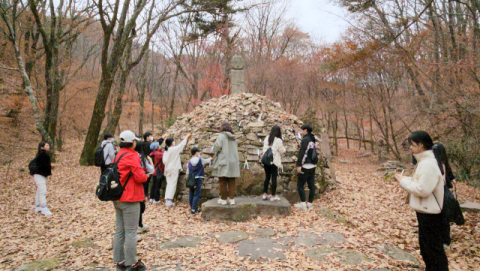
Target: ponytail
pixel 168 143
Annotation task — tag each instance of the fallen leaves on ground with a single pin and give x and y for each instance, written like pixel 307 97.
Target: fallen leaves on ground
pixel 374 209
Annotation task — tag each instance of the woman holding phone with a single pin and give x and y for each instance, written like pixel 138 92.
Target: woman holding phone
pixel 425 189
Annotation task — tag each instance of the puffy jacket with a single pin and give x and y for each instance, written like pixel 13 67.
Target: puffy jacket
pixel 277 149
pixel 303 148
pixel 427 180
pixel 157 160
pixel 130 162
pixel 108 151
pixel 44 166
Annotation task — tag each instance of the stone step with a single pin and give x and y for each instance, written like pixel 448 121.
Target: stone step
pixel 470 207
pixel 244 209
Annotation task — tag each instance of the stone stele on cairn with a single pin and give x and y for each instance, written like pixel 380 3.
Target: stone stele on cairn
pixel 237 75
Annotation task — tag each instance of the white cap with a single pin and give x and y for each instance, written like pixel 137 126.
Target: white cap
pixel 128 137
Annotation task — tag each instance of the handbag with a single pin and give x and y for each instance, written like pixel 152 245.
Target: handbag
pixel 451 208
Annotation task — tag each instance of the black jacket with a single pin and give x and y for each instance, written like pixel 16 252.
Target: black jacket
pixel 303 147
pixel 44 166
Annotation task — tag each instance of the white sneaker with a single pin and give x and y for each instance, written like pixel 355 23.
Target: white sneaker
pixel 309 205
pixel 264 197
pixel 445 246
pixel 300 205
pixel 45 211
pixel 142 229
pixel 38 209
pixel 139 238
pixel 169 203
pixel 151 200
pixel 222 202
pixel 231 201
pixel 156 202
pixel 275 198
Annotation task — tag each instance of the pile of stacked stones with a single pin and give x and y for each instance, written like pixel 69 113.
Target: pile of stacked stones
pixel 251 116
pixel 391 167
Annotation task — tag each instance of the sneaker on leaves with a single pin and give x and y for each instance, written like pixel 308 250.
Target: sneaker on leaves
pixel 301 205
pixel 309 205
pixel 139 266
pixel 45 211
pixel 231 201
pixel 265 197
pixel 121 266
pixel 222 202
pixel 142 229
pixel 38 209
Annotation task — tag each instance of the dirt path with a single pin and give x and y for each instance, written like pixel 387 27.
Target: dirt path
pixel 79 234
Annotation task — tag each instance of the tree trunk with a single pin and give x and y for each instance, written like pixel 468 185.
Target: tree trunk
pixel 143 86
pixel 346 129
pixel 96 121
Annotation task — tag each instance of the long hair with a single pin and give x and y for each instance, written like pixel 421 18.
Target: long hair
pixel 40 146
pixel 275 132
pixel 226 127
pixel 442 158
pixel 168 143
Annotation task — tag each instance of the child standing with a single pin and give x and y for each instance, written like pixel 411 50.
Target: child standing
pixel 173 166
pixel 195 166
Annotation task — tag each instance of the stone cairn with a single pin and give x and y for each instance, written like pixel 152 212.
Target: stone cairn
pixel 391 167
pixel 252 117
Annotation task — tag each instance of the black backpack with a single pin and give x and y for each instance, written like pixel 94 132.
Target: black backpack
pixel 109 187
pixel 99 157
pixel 267 158
pixel 311 156
pixel 32 166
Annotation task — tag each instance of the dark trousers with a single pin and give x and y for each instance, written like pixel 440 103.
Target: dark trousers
pixel 446 233
pixel 146 185
pixel 142 210
pixel 194 196
pixel 156 185
pixel 271 172
pixel 430 231
pixel 307 176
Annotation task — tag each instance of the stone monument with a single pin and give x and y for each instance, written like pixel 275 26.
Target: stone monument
pixel 237 75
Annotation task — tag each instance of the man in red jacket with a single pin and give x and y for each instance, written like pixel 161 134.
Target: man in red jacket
pixel 127 208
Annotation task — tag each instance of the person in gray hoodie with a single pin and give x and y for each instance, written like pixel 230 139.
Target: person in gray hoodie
pixel 196 167
pixel 108 151
pixel 226 165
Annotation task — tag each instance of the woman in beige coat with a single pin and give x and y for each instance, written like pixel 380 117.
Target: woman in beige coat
pixel 226 165
pixel 425 189
pixel 274 141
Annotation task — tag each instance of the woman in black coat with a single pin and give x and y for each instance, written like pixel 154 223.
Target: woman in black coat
pixel 43 170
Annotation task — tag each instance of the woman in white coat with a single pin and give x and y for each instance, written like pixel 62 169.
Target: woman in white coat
pixel 274 141
pixel 173 166
pixel 425 190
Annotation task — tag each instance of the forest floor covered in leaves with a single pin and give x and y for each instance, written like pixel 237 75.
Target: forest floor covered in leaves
pixel 79 234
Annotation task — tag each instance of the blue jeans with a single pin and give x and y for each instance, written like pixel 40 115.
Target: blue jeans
pixel 195 194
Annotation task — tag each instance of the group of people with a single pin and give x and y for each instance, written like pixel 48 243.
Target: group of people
pixel 143 161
